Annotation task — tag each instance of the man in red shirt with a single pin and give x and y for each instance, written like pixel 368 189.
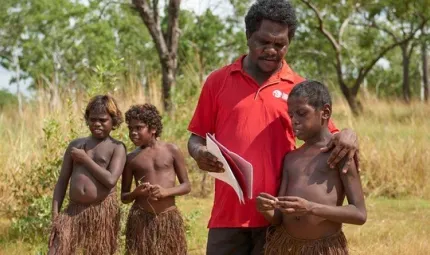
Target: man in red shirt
pixel 244 105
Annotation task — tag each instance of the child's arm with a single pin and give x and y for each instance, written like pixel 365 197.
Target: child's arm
pixel 63 181
pixel 270 213
pixel 353 213
pixel 127 179
pixel 107 177
pixel 184 186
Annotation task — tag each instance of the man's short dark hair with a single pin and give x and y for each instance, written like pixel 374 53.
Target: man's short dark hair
pixel 316 93
pixel 280 11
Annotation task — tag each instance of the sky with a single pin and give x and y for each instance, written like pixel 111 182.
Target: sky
pixel 219 7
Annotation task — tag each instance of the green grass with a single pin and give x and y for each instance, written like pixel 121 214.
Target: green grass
pixel 394 226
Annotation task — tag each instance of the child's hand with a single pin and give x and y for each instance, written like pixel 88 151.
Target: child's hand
pixel 265 202
pixel 143 189
pixel 78 155
pixel 158 192
pixel 294 205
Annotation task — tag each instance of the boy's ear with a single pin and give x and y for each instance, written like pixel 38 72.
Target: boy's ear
pixel 153 131
pixel 326 111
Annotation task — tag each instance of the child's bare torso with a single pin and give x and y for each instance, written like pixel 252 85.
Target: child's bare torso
pixel 156 166
pixel 310 177
pixel 84 188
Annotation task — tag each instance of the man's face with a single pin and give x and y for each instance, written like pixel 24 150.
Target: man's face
pixel 268 46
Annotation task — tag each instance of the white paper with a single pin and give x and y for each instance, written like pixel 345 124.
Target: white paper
pixel 227 176
pixel 244 166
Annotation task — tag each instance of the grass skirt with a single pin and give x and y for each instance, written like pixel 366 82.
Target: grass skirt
pixel 155 234
pixel 87 229
pixel 279 242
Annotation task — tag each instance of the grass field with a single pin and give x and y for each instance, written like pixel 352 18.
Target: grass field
pixel 394 226
pixel 395 162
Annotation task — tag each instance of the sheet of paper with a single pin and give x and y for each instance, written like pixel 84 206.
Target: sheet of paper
pixel 236 171
pixel 244 166
pixel 227 176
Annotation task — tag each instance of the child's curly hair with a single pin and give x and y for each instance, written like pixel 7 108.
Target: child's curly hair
pixel 102 104
pixel 148 114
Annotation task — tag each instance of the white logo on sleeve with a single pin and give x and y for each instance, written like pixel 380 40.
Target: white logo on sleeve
pixel 279 94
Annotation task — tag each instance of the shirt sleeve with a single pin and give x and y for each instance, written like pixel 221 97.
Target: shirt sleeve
pixel 205 115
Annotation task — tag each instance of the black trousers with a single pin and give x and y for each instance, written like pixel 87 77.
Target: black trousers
pixel 236 241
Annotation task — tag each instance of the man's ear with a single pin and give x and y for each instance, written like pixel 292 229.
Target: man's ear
pixel 326 111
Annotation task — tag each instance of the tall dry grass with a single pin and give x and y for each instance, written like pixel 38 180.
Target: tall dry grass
pixel 394 137
pixel 394 142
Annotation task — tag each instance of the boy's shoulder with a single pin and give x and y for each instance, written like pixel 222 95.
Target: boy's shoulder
pixel 78 141
pixel 293 154
pixel 171 147
pixel 133 154
pixel 117 143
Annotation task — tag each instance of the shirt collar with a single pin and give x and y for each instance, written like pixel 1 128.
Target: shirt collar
pixel 285 73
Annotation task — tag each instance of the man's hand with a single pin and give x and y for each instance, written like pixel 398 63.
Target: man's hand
pixel 208 162
pixel 158 192
pixel 294 205
pixel 78 155
pixel 265 202
pixel 344 144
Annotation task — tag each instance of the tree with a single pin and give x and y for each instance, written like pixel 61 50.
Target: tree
pixel 166 42
pixel 354 50
pixel 424 58
pixel 61 44
pixel 402 21
pixel 7 99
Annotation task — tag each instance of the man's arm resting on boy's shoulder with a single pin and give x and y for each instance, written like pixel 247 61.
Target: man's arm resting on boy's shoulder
pixel 344 145
pixel 353 213
pixel 63 180
pixel 107 177
pixel 184 186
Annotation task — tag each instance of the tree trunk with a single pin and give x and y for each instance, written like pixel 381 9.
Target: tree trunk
pixel 166 42
pixel 354 105
pixel 425 71
pixel 201 69
pixel 54 102
pixel 18 83
pixel 169 74
pixel 405 63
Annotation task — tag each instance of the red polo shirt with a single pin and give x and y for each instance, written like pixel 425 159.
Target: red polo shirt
pixel 252 121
